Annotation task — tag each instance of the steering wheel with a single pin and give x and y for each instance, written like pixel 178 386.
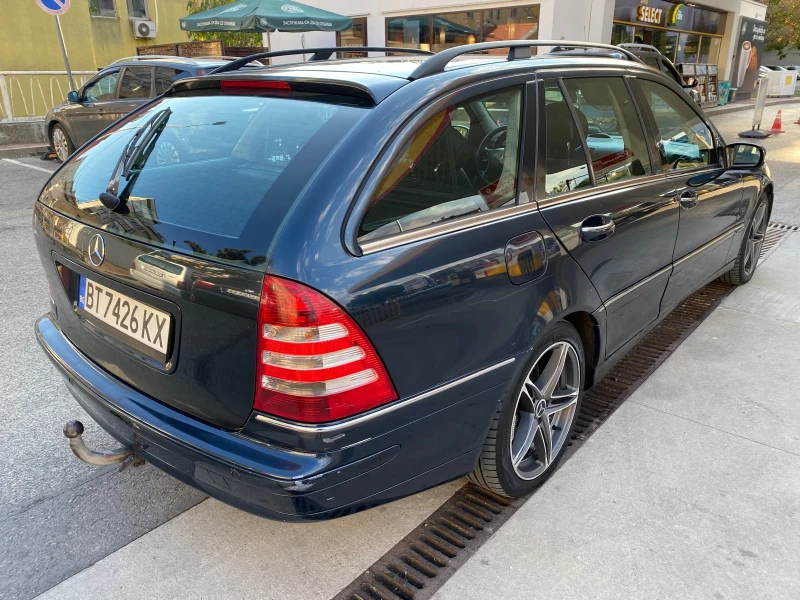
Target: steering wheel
pixel 489 157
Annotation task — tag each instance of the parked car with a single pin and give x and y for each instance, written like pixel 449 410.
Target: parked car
pixel 392 287
pixel 114 92
pixel 652 57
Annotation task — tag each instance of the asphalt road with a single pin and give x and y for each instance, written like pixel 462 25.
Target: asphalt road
pixel 59 516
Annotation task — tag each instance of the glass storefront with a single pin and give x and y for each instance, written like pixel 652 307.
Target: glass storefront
pixel 444 30
pixel 683 33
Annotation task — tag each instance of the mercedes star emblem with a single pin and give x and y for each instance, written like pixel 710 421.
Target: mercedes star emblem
pixel 97 250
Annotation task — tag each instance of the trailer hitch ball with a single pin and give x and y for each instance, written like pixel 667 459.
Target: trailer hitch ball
pixel 73 430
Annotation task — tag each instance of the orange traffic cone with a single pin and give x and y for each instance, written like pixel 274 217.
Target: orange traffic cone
pixel 776 126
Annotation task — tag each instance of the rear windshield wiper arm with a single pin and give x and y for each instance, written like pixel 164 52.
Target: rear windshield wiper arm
pixel 129 156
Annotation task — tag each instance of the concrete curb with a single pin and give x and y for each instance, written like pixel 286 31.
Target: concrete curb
pixel 22 150
pixel 721 110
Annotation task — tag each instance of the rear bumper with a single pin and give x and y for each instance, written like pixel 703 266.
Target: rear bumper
pixel 268 480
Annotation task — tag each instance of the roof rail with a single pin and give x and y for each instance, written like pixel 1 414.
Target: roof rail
pixel 517 49
pixel 631 46
pixel 146 57
pixel 317 54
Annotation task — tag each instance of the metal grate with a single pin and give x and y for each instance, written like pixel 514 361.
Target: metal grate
pixel 773 237
pixel 425 559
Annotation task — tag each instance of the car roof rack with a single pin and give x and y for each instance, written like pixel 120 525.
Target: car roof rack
pixel 317 54
pixel 517 50
pixel 146 57
pixel 632 46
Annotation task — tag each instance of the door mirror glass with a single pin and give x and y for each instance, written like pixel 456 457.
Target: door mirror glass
pixel 73 97
pixel 746 156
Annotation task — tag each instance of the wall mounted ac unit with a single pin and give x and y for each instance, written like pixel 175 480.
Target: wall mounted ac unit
pixel 143 29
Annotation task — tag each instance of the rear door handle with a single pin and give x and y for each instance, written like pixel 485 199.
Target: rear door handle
pixel 688 199
pixel 597 228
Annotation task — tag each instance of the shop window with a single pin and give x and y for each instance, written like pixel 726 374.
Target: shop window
pixel 684 140
pixel 102 8
pixel 409 32
pixel 565 165
pixel 455 29
pixel 355 36
pixel 709 50
pixel 443 172
pixel 614 135
pixel 688 48
pixel 440 31
pixel 505 24
pixel 137 9
pixel 136 83
pixel 666 42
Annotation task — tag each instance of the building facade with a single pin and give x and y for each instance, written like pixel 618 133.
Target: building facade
pixel 96 32
pixel 687 33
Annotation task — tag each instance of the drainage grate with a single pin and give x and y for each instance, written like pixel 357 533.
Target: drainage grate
pixel 773 237
pixel 425 559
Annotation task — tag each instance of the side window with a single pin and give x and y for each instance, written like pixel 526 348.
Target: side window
pixel 566 167
pixel 684 140
pixel 462 161
pixel 136 83
pixel 165 76
pixel 617 145
pixel 102 89
pixel 651 61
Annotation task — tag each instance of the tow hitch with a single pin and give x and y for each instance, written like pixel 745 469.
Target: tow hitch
pixel 74 430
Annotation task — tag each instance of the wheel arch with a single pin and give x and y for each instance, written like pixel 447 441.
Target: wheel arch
pixel 589 330
pixel 769 190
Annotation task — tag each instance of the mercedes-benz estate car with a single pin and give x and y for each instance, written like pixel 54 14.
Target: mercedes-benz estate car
pixel 371 276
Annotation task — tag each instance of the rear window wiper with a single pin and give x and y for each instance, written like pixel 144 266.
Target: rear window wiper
pixel 133 150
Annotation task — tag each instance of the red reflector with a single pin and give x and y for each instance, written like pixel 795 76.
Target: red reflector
pixel 314 362
pixel 206 285
pixel 255 85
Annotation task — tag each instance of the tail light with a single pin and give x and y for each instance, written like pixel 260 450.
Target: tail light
pixel 256 86
pixel 314 362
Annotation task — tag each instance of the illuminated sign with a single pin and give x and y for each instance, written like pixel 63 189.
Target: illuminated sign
pixel 649 14
pixel 675 15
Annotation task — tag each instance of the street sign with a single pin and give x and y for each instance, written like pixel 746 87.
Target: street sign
pixel 54 7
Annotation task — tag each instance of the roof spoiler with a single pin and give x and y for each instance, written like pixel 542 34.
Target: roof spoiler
pixel 317 54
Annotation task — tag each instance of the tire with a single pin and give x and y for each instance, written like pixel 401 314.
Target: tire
pixel 747 259
pixel 59 140
pixel 506 466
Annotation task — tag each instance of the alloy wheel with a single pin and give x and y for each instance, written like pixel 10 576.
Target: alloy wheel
pixel 755 239
pixel 60 144
pixel 545 409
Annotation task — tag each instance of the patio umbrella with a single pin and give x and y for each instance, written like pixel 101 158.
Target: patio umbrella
pixel 256 16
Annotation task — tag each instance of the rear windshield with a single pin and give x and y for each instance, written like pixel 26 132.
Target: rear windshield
pixel 216 180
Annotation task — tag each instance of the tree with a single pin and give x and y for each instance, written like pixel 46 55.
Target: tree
pixel 783 26
pixel 229 38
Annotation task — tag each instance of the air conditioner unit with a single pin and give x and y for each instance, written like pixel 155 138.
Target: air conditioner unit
pixel 143 29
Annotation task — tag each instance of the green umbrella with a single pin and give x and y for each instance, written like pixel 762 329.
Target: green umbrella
pixel 256 16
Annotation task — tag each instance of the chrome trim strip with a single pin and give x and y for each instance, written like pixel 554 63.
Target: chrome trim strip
pixel 693 172
pixel 636 286
pixel 598 190
pixel 431 231
pixel 708 245
pixel 357 420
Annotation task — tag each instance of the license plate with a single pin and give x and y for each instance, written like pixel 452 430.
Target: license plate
pixel 131 318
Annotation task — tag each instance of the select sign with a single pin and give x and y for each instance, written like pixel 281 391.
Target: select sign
pixel 649 14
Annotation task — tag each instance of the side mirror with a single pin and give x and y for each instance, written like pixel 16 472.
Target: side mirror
pixel 73 97
pixel 745 156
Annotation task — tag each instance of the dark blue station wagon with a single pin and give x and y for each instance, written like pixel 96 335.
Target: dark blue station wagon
pixel 367 277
